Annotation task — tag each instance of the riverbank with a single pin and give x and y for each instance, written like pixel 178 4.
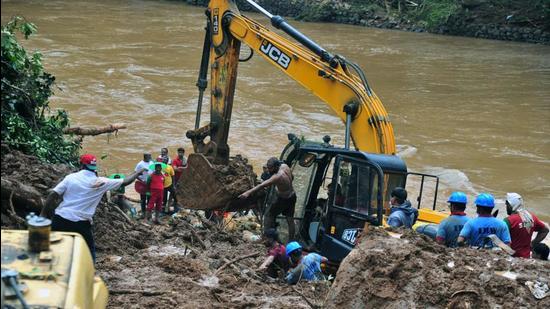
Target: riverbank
pixel 521 21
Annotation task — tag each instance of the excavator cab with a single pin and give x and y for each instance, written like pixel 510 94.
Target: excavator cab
pixel 338 192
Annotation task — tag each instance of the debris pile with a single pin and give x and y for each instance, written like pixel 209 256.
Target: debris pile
pixel 198 266
pixel 25 182
pixel 414 272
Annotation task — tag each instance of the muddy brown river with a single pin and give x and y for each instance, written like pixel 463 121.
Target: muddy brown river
pixel 475 112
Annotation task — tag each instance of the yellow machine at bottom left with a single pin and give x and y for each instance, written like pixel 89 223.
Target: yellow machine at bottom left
pixel 62 277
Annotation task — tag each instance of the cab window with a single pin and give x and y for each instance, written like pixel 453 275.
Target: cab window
pixel 354 183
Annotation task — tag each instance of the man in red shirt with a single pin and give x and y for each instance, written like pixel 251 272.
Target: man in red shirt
pixel 522 224
pixel 276 262
pixel 156 187
pixel 179 164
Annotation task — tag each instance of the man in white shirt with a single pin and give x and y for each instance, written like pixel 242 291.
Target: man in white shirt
pixel 81 193
pixel 141 183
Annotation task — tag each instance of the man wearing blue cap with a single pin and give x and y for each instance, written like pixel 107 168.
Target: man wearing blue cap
pixel 476 230
pixel 448 230
pixel 306 267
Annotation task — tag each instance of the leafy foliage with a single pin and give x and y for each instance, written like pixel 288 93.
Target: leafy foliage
pixel 435 13
pixel 27 124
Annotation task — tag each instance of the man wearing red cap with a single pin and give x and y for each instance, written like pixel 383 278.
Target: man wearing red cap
pixel 81 193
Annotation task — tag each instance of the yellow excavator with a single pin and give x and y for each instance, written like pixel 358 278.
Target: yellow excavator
pixel 61 277
pixel 365 176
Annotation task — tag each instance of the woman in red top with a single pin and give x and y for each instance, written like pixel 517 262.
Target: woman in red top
pixel 155 183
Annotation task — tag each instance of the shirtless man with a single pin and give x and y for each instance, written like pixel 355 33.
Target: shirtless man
pixel 281 177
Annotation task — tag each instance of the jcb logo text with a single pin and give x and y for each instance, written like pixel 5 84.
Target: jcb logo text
pixel 275 54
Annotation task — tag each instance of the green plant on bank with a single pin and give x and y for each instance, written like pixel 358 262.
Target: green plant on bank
pixel 435 13
pixel 27 124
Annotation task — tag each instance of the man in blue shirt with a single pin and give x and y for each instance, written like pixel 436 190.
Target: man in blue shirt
pixel 402 212
pixel 305 267
pixel 450 228
pixel 476 230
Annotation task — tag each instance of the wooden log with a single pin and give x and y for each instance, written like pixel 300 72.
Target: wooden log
pixel 118 210
pixel 24 196
pixel 195 234
pixel 142 292
pixel 12 215
pixel 94 131
pixel 235 260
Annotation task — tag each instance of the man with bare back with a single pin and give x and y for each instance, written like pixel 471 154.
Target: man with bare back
pixel 281 177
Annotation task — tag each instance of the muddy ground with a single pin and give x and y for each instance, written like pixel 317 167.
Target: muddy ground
pixel 415 272
pixel 184 262
pixel 181 265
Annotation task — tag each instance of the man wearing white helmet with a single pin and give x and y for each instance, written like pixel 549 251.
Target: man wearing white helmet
pixel 522 224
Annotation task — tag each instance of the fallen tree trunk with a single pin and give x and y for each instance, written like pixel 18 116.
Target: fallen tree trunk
pixel 94 131
pixel 23 196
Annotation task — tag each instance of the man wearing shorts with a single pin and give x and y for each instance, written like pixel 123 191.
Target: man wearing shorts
pixel 281 177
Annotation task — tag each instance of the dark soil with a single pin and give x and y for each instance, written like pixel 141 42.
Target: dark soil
pixel 415 272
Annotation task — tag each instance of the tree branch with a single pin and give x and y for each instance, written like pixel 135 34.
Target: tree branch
pixel 94 131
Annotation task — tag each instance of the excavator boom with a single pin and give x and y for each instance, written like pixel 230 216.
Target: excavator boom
pixel 336 81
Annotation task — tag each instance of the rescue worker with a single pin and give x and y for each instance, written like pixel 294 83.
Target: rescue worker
pixel 476 230
pixel 521 225
pixel 141 183
pixel 304 267
pixel 81 192
pixel 281 177
pixel 449 229
pixel 265 173
pixel 179 164
pixel 164 153
pixel 168 183
pixel 118 197
pixel 402 212
pixel 276 262
pixel 155 183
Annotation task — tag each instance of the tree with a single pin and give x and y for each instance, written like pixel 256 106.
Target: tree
pixel 28 124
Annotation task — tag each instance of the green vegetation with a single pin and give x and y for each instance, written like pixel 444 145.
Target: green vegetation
pixel 434 13
pixel 27 122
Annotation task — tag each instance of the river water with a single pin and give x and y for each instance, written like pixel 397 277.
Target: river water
pixel 475 112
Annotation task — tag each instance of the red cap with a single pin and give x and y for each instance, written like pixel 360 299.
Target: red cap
pixel 160 159
pixel 89 160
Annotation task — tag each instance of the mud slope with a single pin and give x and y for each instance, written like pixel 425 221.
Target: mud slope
pixel 415 272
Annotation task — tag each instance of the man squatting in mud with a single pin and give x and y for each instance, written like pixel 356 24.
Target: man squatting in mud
pixel 281 177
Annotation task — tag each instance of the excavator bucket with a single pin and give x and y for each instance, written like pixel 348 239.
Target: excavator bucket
pixel 207 186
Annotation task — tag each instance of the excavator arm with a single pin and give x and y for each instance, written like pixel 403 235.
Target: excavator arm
pixel 336 81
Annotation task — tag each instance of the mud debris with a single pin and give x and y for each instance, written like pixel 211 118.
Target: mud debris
pixel 209 186
pixel 190 277
pixel 415 272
